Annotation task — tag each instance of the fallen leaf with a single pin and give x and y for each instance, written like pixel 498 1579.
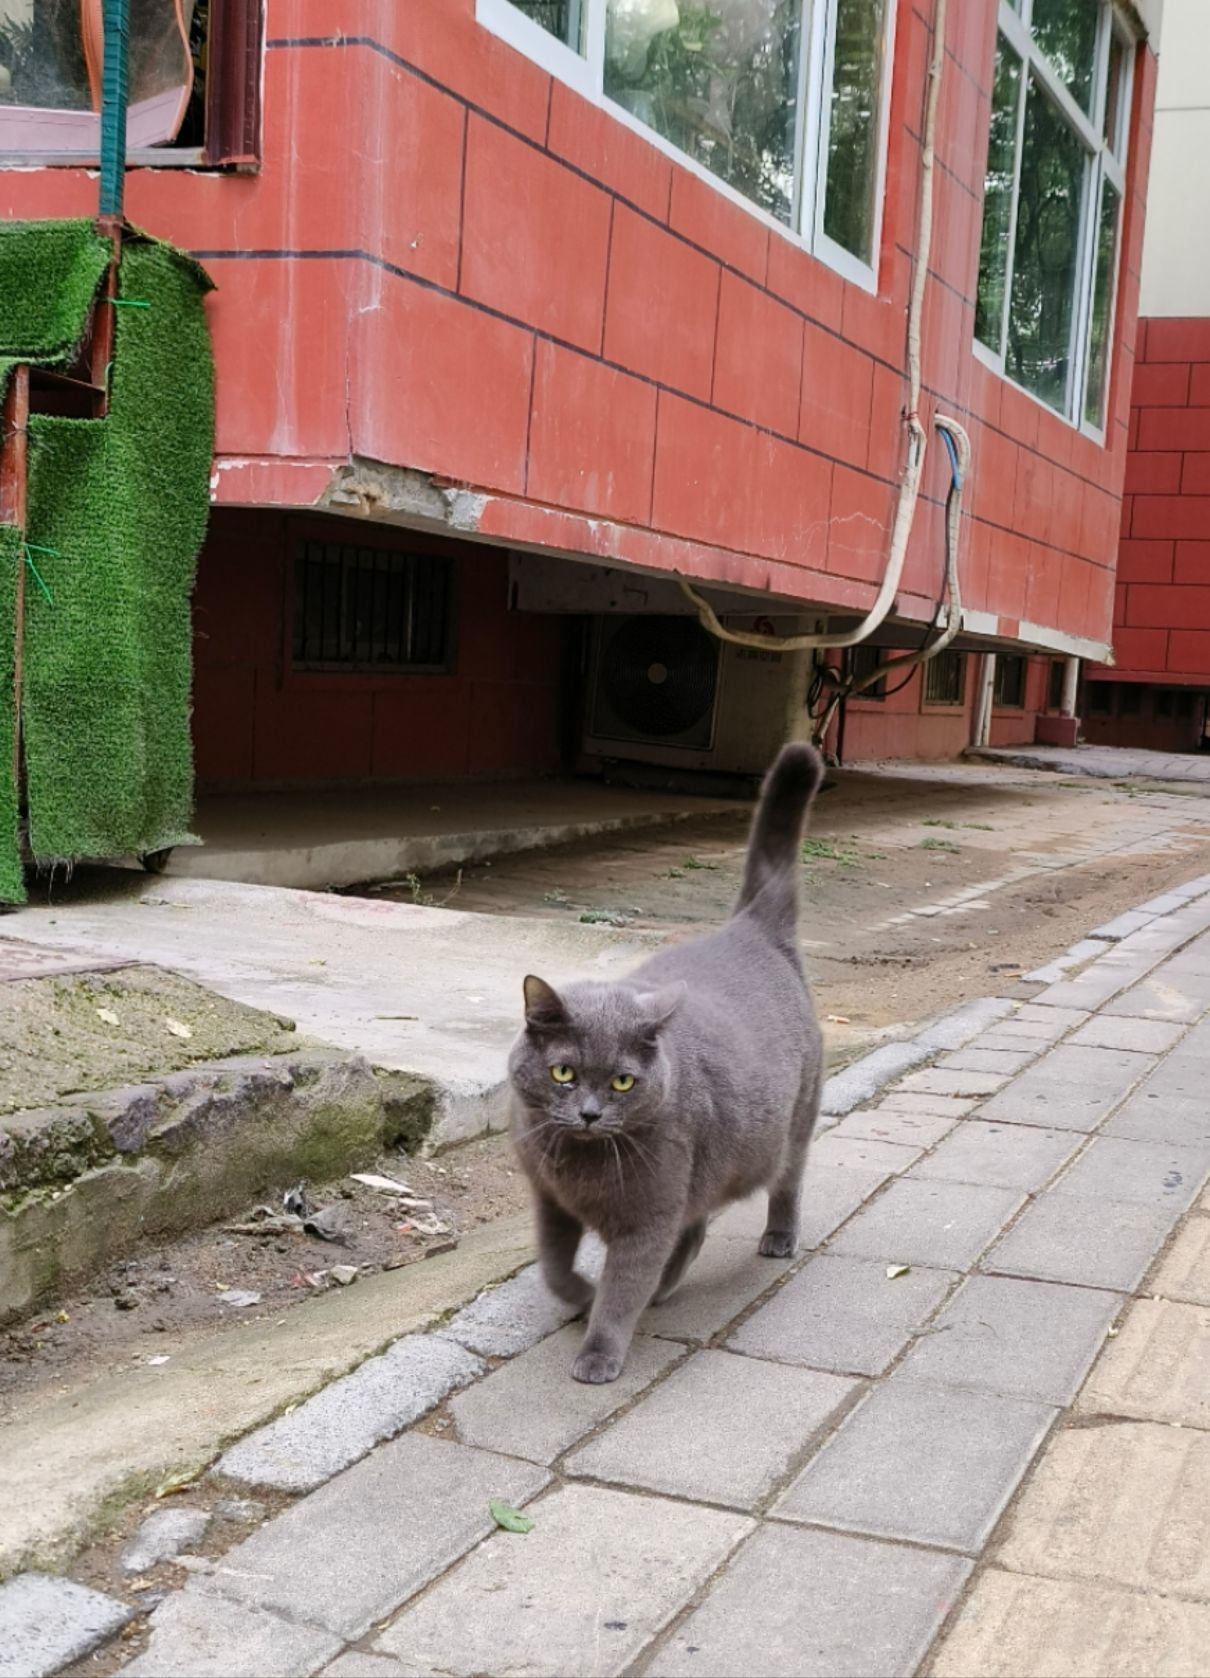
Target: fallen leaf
pixel 178 1028
pixel 512 1520
pixel 179 1482
pixel 838 1019
pixel 108 1015
pixel 62 1317
pixel 894 1270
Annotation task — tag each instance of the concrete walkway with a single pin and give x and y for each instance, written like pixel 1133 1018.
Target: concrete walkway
pixel 1104 763
pixel 965 1432
pixel 344 836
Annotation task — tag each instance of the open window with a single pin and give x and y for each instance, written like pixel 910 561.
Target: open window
pixel 193 76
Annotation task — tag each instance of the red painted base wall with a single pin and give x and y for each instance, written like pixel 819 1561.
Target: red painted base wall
pixel 256 721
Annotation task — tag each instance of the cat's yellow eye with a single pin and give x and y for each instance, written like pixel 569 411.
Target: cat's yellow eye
pixel 563 1074
pixel 622 1082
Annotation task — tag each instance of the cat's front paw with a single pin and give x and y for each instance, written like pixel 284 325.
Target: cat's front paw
pixel 596 1368
pixel 778 1243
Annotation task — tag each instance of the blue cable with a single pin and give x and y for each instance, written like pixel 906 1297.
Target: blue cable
pixel 952 451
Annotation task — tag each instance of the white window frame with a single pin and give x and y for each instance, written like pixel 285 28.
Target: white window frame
pixel 1104 161
pixel 585 73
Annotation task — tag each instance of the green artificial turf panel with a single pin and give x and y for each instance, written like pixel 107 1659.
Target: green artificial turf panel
pixel 117 513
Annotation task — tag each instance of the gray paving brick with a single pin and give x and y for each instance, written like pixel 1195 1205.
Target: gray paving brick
pixel 721 1428
pixel 831 1194
pixel 164 1534
pixel 1121 927
pixel 1017 1338
pixel 795 1604
pixel 1095 1243
pixel 506 1320
pixel 530 1406
pixel 1152 1116
pixel 1157 1174
pixel 723 1280
pixel 883 1124
pixel 859 1083
pixel 933 1106
pixel 357 1663
pixel 933 1465
pixel 200 1636
pixel 940 1081
pixel 46 1621
pixel 1069 1089
pixel 919 1222
pixel 1007 1156
pixel 1164 995
pixel 600 1575
pixel 342 1422
pixel 843 1314
pixel 863 1153
pixel 354 1550
pixel 975 1059
pixel 1149 1037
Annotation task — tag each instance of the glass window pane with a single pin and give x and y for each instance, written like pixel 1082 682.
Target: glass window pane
pixel 998 196
pixel 719 81
pixel 853 125
pixel 564 19
pixel 42 56
pixel 1046 256
pixel 1066 31
pixel 1102 305
pixel 1113 128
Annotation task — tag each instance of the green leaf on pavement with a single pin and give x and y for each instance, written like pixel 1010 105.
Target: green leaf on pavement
pixel 512 1520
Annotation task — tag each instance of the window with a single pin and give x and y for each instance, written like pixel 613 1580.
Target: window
pixel 862 660
pixel 193 74
pixel 372 609
pixel 1130 700
pixel 1099 699
pixel 781 101
pixel 1165 702
pixel 1185 705
pixel 945 679
pixel 1008 689
pixel 1052 205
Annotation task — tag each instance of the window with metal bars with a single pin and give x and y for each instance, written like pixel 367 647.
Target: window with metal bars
pixel 863 661
pixel 945 679
pixel 372 609
pixel 1009 686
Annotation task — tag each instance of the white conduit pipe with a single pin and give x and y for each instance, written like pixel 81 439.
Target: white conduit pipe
pixel 909 488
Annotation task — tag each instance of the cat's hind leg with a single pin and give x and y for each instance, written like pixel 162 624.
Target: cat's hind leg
pixel 785 1195
pixel 683 1255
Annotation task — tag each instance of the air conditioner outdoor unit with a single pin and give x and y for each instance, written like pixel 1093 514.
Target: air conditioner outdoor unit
pixel 663 690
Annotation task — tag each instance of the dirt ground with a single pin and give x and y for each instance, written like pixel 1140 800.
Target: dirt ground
pixel 887 851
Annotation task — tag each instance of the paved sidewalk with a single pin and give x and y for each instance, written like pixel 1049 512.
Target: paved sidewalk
pixel 966 1432
pixel 1104 763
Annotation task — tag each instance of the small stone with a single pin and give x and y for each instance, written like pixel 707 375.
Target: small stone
pixel 127 1300
pixel 244 1510
pixel 345 1274
pixel 239 1299
pixel 163 1536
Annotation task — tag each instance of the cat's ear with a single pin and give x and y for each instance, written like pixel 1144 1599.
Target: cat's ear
pixel 543 1005
pixel 658 1006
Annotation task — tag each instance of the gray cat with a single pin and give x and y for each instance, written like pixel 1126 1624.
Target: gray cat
pixel 642 1107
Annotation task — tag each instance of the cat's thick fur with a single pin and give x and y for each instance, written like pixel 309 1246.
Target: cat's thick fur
pixel 720 1038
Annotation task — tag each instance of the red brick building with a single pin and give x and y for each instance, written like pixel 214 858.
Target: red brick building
pixel 1156 693
pixel 524 308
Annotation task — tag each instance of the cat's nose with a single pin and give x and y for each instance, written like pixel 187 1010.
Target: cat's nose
pixel 590 1115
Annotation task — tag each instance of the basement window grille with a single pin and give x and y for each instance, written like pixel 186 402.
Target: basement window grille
pixel 945 679
pixel 1009 688
pixel 863 660
pixel 372 609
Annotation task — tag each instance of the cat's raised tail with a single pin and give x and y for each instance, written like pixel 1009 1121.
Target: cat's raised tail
pixel 770 884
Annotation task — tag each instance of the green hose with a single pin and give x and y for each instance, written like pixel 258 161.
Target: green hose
pixel 113 106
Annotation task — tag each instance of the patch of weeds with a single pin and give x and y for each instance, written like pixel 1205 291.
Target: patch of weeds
pixel 558 898
pixel 676 874
pixel 832 850
pixel 941 845
pixel 604 917
pixel 978 827
pixel 692 862
pixel 424 899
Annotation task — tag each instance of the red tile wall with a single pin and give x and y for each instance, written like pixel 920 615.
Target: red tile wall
pixel 257 721
pixel 1162 610
pixel 450 262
